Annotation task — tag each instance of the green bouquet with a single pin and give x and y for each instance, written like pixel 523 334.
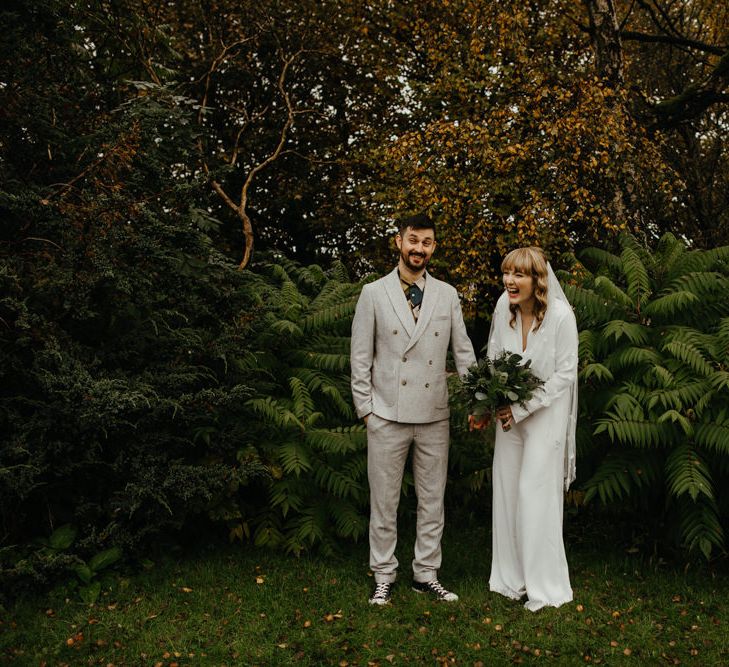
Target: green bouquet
pixel 491 383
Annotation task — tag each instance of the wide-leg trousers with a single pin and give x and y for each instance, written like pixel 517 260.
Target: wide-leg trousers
pixel 388 445
pixel 528 549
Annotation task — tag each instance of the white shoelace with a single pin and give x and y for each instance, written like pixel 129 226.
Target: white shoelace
pixel 436 586
pixel 381 590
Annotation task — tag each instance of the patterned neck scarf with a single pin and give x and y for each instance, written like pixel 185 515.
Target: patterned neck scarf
pixel 414 294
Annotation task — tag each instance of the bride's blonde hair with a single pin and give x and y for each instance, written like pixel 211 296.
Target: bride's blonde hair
pixel 531 262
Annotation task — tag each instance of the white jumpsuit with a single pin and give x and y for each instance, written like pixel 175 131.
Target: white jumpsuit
pixel 529 467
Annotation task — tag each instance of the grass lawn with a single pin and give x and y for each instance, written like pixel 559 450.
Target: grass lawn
pixel 235 605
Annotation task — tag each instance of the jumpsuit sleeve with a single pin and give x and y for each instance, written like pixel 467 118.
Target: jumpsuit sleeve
pixel 565 370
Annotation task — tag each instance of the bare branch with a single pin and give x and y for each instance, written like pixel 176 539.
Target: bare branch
pixel 632 35
pixel 240 208
pixel 217 61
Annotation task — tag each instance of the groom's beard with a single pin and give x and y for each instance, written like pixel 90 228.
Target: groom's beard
pixel 412 266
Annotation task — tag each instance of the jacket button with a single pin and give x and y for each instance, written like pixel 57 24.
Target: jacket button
pixel 404 382
pixel 436 333
pixel 404 359
pixel 394 331
pixel 427 385
pixel 430 362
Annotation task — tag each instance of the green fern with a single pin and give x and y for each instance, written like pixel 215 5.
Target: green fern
pixel 687 473
pixel 636 274
pixel 701 526
pixel 303 423
pixel 622 473
pixel 654 380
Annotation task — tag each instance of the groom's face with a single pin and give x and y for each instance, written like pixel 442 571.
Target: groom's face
pixel 416 247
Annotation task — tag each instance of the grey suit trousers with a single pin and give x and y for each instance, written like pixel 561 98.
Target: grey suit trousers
pixel 388 445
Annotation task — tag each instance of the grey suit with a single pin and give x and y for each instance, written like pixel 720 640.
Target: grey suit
pixel 399 379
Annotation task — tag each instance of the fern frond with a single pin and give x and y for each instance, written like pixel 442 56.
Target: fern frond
pixel 690 355
pixel 337 483
pixel 598 371
pixel 633 356
pixel 294 457
pixel 713 435
pixel 303 403
pixel 719 257
pixel 286 328
pixel 325 318
pixel 598 257
pixel 339 440
pixel 587 345
pixel 629 426
pixel 686 473
pixel 621 473
pixel 356 467
pixel 669 250
pixel 590 307
pixel 722 339
pixel 639 285
pixel 275 413
pixel 605 287
pixel 617 329
pixel 267 534
pixel 286 496
pixel 338 396
pixel 277 271
pixel 663 375
pixel 701 283
pixel 719 380
pixel 680 397
pixel 336 363
pixel 700 525
pixel 338 271
pixel 669 305
pixel 308 528
pixel 311 276
pixel 675 417
pixel 349 520
pixel 334 344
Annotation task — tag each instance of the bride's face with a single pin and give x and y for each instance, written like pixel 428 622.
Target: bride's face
pixel 520 287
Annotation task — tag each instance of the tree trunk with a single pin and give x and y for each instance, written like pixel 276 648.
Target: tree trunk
pixel 605 32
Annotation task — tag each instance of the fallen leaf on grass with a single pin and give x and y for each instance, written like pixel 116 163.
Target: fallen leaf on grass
pixel 259 580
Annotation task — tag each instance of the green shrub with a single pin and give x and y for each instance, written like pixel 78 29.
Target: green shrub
pixel 304 428
pixel 654 418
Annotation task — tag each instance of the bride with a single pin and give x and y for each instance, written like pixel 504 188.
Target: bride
pixel 534 455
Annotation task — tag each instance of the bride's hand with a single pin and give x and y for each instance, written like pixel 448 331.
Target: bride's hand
pixel 505 416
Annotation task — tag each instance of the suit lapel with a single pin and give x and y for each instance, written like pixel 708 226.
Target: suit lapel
pixel 430 298
pixel 399 302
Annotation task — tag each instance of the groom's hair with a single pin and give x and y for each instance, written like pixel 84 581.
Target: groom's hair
pixel 417 221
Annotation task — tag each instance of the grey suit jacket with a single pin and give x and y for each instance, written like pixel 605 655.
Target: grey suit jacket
pixel 398 366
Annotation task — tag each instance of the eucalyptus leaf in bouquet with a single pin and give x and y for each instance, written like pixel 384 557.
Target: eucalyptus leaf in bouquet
pixel 491 383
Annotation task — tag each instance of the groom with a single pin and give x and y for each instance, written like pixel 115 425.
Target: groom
pixel 401 331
